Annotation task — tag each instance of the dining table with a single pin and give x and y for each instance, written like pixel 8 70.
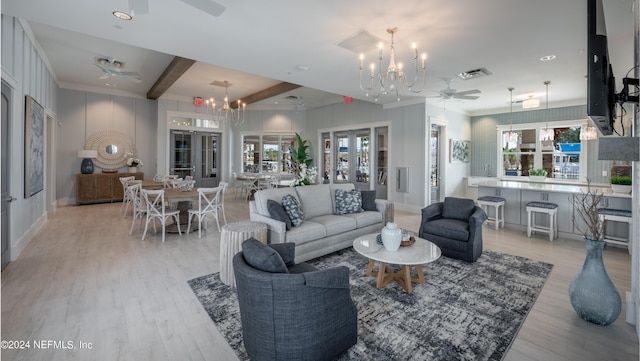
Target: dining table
pixel 184 199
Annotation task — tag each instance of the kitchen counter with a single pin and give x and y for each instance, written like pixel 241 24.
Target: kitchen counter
pixel 551 187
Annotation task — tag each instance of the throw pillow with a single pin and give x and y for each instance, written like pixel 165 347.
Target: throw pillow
pixel 293 209
pixel 277 212
pixel 348 202
pixel 458 208
pixel 259 255
pixel 369 200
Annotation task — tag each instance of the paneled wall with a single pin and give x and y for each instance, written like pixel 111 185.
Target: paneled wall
pixel 485 148
pixel 84 113
pixel 24 69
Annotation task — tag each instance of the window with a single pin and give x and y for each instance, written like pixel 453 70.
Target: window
pixel 562 157
pixel 267 153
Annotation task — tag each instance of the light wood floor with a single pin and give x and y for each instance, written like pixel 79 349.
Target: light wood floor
pixel 84 279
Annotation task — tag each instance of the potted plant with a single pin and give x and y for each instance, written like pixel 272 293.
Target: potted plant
pixel 301 167
pixel 620 184
pixel 593 295
pixel 537 175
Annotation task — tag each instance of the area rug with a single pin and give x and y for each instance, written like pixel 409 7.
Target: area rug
pixel 465 311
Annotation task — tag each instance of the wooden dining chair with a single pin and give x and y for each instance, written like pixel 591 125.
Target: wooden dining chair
pixel 208 199
pixel 157 210
pixel 125 199
pixel 139 205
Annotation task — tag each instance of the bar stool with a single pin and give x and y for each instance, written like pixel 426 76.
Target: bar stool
pixel 545 208
pixel 496 202
pixel 616 215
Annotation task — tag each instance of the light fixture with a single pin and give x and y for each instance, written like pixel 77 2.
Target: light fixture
pixel 547 133
pixel 122 15
pixel 87 156
pixel 393 78
pixel 511 137
pixel 226 113
pixel 588 133
pixel 530 103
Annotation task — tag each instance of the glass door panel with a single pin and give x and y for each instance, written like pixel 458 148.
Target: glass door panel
pixel 434 179
pixel 250 156
pixel 207 174
pixel 342 158
pixel 287 142
pixel 362 159
pixel 181 153
pixel 325 168
pixel 270 155
pixel 382 140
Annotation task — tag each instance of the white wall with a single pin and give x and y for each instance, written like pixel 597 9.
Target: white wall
pixel 84 113
pixel 26 71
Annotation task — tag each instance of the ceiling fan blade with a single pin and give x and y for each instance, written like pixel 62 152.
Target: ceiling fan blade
pixel 133 76
pixel 468 92
pixel 208 6
pixel 104 76
pixel 468 97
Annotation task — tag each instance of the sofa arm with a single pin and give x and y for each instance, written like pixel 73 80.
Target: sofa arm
pixel 477 218
pixel 386 208
pixel 432 212
pixel 276 228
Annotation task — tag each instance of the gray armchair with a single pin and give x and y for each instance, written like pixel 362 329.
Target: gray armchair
pixel 292 311
pixel 455 225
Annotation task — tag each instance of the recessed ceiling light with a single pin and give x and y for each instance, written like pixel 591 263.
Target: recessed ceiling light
pixel 548 57
pixel 122 15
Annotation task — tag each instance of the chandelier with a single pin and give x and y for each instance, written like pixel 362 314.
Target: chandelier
pixel 393 78
pixel 226 114
pixel 547 133
pixel 511 136
pixel 588 133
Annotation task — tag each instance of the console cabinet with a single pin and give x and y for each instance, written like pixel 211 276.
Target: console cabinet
pixel 101 187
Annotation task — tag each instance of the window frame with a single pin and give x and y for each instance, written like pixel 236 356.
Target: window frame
pixel 538 152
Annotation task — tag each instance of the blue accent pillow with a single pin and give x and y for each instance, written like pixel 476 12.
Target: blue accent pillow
pixel 260 256
pixel 348 202
pixel 369 200
pixel 277 212
pixel 293 209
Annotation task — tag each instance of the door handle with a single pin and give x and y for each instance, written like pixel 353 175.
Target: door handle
pixel 10 199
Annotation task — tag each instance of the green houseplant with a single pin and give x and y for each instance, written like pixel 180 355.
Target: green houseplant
pixel 301 164
pixel 537 174
pixel 621 184
pixel 593 295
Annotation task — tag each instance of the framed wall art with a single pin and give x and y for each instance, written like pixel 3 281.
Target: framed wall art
pixel 34 146
pixel 459 151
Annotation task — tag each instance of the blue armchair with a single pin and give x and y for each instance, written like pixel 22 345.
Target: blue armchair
pixel 292 311
pixel 455 225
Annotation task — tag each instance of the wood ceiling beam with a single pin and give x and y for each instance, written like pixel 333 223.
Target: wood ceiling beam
pixel 266 93
pixel 173 72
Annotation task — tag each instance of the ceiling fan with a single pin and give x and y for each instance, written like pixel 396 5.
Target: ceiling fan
pixel 112 69
pixel 450 93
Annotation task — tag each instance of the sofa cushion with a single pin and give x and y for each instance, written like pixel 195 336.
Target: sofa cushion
pixel 277 212
pixel 365 218
pixel 315 200
pixel 348 202
pixel 457 208
pixel 369 200
pixel 335 224
pixel 293 209
pixel 260 256
pixel 307 232
pixel 448 228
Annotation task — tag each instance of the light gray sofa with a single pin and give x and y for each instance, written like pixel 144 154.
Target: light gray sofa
pixel 322 231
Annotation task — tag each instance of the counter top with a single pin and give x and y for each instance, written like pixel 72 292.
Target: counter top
pixel 551 187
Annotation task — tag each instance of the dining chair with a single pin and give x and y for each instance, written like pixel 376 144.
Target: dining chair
pixel 172 183
pixel 224 186
pixel 208 199
pixel 238 185
pixel 139 206
pixel 156 209
pixel 125 199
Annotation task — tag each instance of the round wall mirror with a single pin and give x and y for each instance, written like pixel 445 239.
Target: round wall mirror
pixel 111 149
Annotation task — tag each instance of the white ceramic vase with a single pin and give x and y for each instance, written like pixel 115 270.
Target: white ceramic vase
pixel 133 169
pixel 391 237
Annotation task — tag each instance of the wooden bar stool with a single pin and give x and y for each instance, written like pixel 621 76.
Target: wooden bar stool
pixel 616 215
pixel 545 208
pixel 496 202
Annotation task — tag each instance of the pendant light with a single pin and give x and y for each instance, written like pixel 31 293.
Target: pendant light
pixel 547 133
pixel 511 137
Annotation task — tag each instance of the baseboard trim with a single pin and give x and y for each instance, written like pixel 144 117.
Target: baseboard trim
pixel 23 241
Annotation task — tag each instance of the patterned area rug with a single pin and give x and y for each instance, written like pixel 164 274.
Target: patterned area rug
pixel 465 311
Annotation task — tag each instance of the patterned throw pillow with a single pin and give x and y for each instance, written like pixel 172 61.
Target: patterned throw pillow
pixel 348 201
pixel 293 209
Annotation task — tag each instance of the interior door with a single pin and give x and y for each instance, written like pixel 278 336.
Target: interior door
pixel 352 157
pixel 6 198
pixel 196 154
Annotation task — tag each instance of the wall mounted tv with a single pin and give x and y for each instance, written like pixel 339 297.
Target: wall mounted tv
pixel 601 91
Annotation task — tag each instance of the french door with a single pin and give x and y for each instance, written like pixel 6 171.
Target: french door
pixel 4 172
pixel 434 175
pixel 351 154
pixel 196 154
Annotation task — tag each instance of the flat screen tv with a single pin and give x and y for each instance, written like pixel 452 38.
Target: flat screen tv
pixel 601 91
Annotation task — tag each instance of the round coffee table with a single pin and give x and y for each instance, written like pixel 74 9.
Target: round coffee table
pixel 419 253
